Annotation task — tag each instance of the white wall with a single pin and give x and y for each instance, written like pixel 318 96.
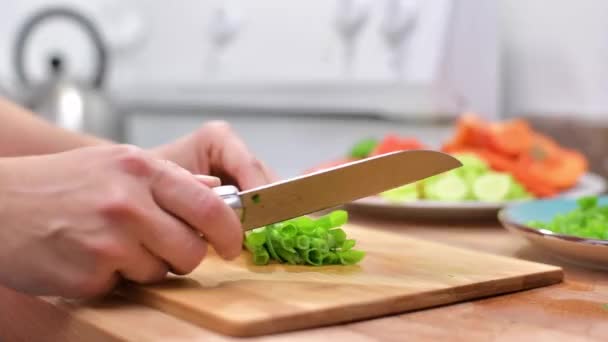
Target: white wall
pixel 280 41
pixel 555 56
pixel 289 43
pixel 555 52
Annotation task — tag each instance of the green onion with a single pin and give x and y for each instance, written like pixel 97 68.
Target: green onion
pixel 338 235
pixel 331 259
pixel 256 239
pixel 304 241
pixel 351 257
pixel 319 244
pixel 269 244
pixel 288 243
pixel 288 230
pixel 338 218
pixel 288 256
pixel 588 219
pixel 261 257
pixel 348 244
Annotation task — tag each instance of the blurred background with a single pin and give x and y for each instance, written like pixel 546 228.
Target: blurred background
pixel 301 81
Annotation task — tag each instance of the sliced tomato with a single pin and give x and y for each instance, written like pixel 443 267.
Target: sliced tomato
pixel 510 138
pixel 393 143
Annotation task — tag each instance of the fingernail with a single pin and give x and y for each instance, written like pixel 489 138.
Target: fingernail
pixel 208 179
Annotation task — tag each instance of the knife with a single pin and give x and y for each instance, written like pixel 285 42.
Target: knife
pixel 331 187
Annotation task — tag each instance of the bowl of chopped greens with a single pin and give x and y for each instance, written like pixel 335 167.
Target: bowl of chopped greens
pixel 574 230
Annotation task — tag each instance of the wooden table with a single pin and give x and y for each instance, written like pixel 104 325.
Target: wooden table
pixel 576 310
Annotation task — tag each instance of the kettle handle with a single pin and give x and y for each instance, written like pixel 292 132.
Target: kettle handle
pixel 33 21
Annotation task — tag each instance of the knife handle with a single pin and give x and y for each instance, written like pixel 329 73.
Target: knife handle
pixel 230 195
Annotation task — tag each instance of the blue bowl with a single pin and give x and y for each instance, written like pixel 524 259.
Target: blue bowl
pixel 578 250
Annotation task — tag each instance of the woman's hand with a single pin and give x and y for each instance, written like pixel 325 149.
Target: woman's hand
pixel 76 222
pixel 215 149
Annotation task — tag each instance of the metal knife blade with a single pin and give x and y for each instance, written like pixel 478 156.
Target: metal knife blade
pixel 334 186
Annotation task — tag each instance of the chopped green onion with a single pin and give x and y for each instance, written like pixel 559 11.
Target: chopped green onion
pixel 589 220
pixel 256 239
pixel 304 241
pixel 269 244
pixel 261 257
pixel 587 202
pixel 304 223
pixel 338 235
pixel 314 256
pixel 331 259
pixel 351 257
pixel 288 230
pixel 319 244
pixel 348 245
pixel 288 244
pixel 290 257
pixel 338 218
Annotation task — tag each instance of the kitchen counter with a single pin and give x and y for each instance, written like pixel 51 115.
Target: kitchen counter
pixel 575 310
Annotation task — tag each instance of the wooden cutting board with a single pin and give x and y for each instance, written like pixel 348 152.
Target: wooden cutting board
pixel 399 274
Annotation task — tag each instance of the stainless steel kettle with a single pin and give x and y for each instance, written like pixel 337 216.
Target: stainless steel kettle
pixel 70 104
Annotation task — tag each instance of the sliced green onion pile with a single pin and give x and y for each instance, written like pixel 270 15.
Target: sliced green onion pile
pixel 304 241
pixel 588 220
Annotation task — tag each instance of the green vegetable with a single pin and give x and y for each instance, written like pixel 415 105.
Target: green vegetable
pixel 334 219
pixel 338 235
pixel 448 188
pixel 348 244
pixel 270 236
pixel 363 148
pixel 492 187
pixel 472 167
pixel 586 203
pixel 405 193
pixel 588 219
pixel 304 241
pixel 350 257
pixel 261 257
pixel 256 238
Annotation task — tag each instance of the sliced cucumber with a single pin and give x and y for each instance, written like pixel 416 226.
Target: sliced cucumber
pixel 472 167
pixel 405 193
pixel 493 187
pixel 472 162
pixel 450 187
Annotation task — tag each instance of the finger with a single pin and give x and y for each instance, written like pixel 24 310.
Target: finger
pixel 181 247
pixel 198 206
pixel 209 181
pixel 270 174
pixel 242 165
pixel 143 267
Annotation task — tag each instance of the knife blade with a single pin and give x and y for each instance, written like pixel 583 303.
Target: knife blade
pixel 331 187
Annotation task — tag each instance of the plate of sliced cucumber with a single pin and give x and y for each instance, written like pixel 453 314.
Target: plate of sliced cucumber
pixel 473 191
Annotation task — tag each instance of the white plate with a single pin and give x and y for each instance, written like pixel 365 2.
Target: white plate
pixel 589 184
